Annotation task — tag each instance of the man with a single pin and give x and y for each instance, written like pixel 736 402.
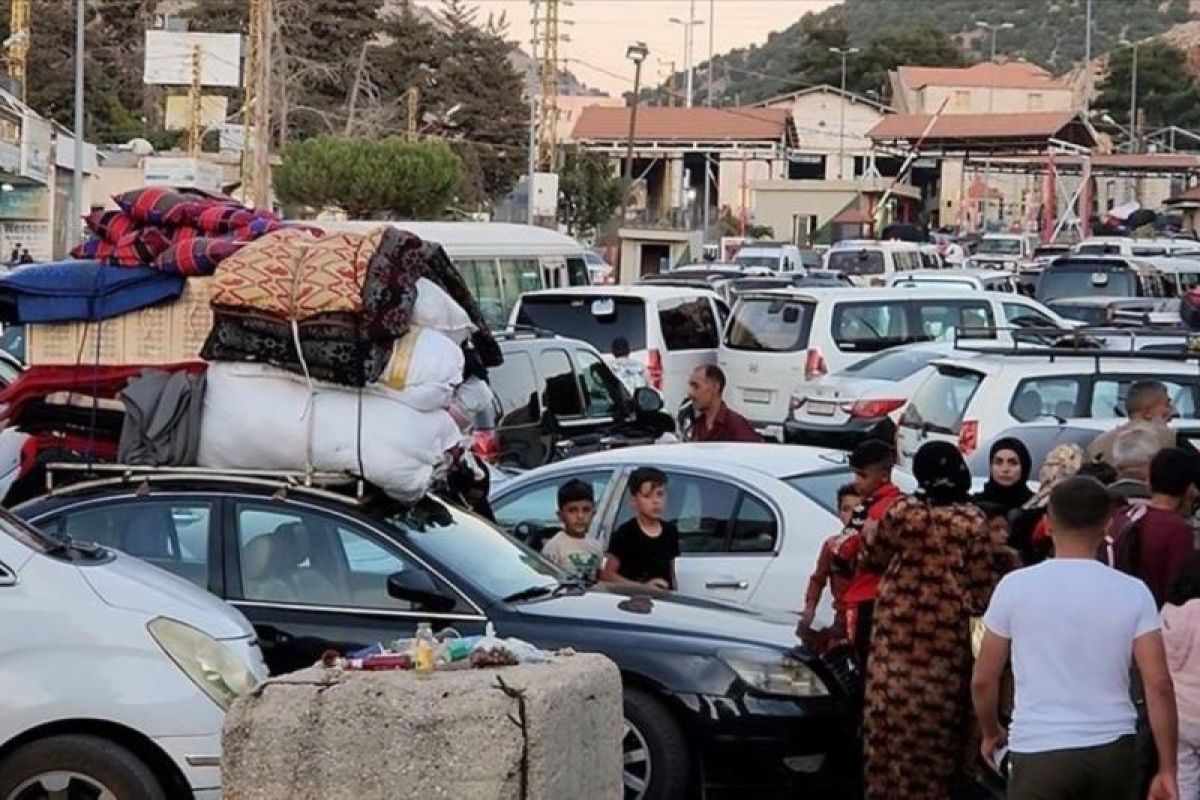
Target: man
pixel 715 421
pixel 1148 403
pixel 1071 624
pixel 26 257
pixel 14 258
pixel 1132 451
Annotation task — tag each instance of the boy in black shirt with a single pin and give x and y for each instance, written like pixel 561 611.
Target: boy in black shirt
pixel 644 549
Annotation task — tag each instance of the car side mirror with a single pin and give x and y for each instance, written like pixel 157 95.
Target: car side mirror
pixel 418 588
pixel 647 400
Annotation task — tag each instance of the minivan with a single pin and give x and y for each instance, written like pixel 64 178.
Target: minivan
pixel 777 257
pixel 1004 250
pixel 868 262
pixel 672 329
pixel 777 339
pixel 1092 276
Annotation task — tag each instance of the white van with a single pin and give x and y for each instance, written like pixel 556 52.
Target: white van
pixel 116 674
pixel 868 262
pixel 1134 247
pixel 985 280
pixel 671 329
pixel 777 339
pixel 1006 251
pixel 777 257
pixel 499 261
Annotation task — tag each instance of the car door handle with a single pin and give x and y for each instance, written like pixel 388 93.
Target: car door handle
pixel 270 636
pixel 727 585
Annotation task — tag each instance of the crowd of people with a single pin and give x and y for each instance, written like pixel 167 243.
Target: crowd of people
pixel 1084 595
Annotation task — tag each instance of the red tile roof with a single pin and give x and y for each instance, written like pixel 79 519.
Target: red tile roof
pixel 1033 129
pixel 1011 75
pixel 655 123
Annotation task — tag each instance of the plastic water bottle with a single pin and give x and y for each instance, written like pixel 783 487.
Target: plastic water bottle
pixel 425 649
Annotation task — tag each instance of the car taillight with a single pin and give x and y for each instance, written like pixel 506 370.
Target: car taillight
pixel 814 364
pixel 486 445
pixel 968 437
pixel 873 409
pixel 654 370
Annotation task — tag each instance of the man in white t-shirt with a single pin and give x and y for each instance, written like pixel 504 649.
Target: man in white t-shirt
pixel 1072 624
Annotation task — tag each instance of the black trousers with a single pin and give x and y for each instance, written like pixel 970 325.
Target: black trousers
pixel 1106 772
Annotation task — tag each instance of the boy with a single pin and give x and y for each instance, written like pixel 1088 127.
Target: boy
pixel 629 372
pixel 570 549
pixel 644 549
pixel 1071 624
pixel 831 567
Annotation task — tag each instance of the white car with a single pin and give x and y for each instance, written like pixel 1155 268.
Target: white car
pixel 778 339
pixel 116 674
pixel 979 280
pixel 751 517
pixel 1004 250
pixel 671 329
pixel 1132 247
pixel 868 262
pixel 775 257
pixel 969 401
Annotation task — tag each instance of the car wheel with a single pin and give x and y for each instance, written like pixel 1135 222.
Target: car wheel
pixel 656 763
pixel 73 767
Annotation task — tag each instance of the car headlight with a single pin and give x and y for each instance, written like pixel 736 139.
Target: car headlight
pixel 216 669
pixel 774 673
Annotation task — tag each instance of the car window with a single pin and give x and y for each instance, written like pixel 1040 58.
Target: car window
pixel 1000 247
pixel 892 365
pixel 534 509
pixel 941 401
pixel 600 388
pixel 754 528
pixel 515 385
pixel 562 390
pixel 1019 313
pixel 1051 396
pixel 1108 397
pixel 702 509
pixel 939 320
pixel 520 275
pixel 821 487
pixel 688 324
pixel 1060 282
pixel 595 319
pixel 772 325
pixel 483 279
pixel 577 271
pixel 12 341
pixel 857 262
pixel 870 327
pixel 171 534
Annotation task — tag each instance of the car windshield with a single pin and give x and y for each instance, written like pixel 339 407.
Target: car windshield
pixel 471 548
pixel 768 261
pixel 773 325
pixel 857 262
pixel 1089 314
pixel 941 402
pixel 1051 250
pixel 593 318
pixel 999 247
pixel 891 365
pixel 1086 281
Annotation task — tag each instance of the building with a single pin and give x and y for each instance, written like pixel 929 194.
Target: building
pixel 1012 87
pixel 571 106
pixel 832 126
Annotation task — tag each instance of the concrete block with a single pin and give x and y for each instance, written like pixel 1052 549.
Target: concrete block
pixel 530 732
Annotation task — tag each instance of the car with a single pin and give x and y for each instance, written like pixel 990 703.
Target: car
pixel 868 262
pixel 968 401
pixel 1007 251
pixel 987 280
pixel 326 567
pixel 1133 247
pixel 116 674
pixel 1043 254
pixel 1181 270
pixel 1105 310
pixel 862 401
pixel 599 271
pixel 751 517
pixel 1091 276
pixel 549 391
pixel 671 329
pixel 777 257
pixel 778 339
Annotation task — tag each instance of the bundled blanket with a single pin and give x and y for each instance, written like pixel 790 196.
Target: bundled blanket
pixel 67 291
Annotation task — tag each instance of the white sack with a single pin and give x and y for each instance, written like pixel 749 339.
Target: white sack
pixel 472 397
pixel 436 309
pixel 257 417
pixel 423 371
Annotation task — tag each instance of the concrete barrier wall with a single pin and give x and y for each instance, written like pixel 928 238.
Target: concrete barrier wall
pixel 530 732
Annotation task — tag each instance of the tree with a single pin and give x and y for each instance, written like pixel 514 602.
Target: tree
pixel 588 192
pixel 814 64
pixel 369 178
pixel 923 46
pixel 1166 92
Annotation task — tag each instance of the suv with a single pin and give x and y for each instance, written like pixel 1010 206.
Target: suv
pixel 968 401
pixel 1090 276
pixel 549 389
pixel 326 566
pixel 1004 250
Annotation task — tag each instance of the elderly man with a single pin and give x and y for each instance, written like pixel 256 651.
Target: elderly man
pixel 715 421
pixel 1132 451
pixel 1147 404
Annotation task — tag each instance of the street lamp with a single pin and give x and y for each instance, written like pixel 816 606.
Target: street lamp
pixel 1133 92
pixel 843 52
pixel 689 26
pixel 993 28
pixel 637 53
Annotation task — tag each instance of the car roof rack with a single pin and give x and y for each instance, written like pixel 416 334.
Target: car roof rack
pixel 515 331
pixel 342 487
pixel 1088 342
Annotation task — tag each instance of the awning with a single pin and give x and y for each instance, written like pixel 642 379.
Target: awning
pixel 1034 132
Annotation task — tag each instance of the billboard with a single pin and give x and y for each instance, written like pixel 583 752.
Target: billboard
pixel 169 58
pixel 37 148
pixel 180 172
pixel 213 110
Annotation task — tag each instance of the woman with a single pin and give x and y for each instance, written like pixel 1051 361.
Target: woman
pixel 1181 637
pixel 1010 466
pixel 938 571
pixel 1029 535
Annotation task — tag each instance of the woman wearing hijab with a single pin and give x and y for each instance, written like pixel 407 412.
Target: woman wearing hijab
pixel 1010 466
pixel 938 571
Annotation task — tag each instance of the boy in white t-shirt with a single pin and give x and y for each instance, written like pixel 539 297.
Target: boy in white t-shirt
pixel 1071 624
pixel 570 549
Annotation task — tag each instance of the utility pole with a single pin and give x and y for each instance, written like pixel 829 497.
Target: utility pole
pixel 672 92
pixel 533 92
pixel 844 52
pixel 77 181
pixel 689 26
pixel 637 54
pixel 547 125
pixel 412 102
pixel 256 157
pixel 992 28
pixel 712 31
pixel 1087 58
pixel 1134 144
pixel 196 103
pixel 18 46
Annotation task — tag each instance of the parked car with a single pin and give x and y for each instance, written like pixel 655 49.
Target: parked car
pixel 599 271
pixel 776 340
pixel 116 675
pixel 1090 276
pixel 986 280
pixel 672 329
pixel 1182 271
pixel 861 401
pixel 751 517
pixel 967 401
pixel 1043 254
pixel 777 257
pixel 320 568
pixel 868 262
pixel 1005 251
pixel 1105 310
pixel 1133 247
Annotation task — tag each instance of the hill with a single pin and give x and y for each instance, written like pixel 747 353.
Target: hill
pixel 1047 32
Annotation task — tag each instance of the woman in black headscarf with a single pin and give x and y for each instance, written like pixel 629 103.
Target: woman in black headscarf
pixel 938 572
pixel 1009 467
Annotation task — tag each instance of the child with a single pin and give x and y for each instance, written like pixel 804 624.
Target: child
pixel 830 568
pixel 1004 557
pixel 1181 637
pixel 631 373
pixel 644 549
pixel 570 549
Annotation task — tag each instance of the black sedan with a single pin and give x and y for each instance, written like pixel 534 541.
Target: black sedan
pixel 713 693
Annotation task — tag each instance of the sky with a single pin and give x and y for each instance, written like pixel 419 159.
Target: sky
pixel 602 30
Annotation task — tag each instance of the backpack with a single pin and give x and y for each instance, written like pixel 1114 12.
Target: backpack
pixel 1122 545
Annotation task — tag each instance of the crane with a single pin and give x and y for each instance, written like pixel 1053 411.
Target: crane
pixel 17 45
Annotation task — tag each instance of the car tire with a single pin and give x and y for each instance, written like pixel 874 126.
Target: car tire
pixel 85 761
pixel 665 773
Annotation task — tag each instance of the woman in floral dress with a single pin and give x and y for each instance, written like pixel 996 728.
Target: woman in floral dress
pixel 938 571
